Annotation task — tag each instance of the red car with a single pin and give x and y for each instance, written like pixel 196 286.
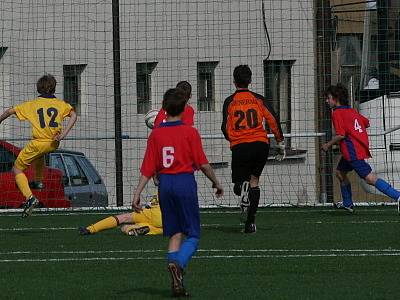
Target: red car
pixel 10 197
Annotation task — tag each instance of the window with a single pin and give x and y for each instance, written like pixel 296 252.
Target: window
pixel 206 85
pixel 88 167
pixel 143 86
pixel 76 174
pixel 72 85
pixel 57 163
pixel 7 159
pixel 277 76
pixel 2 51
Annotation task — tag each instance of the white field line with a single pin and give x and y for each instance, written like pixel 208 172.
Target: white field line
pixel 109 210
pixel 141 251
pixel 201 257
pixel 209 225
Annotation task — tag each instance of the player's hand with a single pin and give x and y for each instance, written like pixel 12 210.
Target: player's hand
pixel 281 152
pixel 220 191
pixel 325 147
pixel 59 137
pixel 136 203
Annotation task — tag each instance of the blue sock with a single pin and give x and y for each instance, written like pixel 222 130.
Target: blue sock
pixel 387 189
pixel 346 194
pixel 172 256
pixel 188 248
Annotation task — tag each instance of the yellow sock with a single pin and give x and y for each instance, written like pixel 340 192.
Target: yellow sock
pixel 23 185
pixel 107 223
pixel 39 165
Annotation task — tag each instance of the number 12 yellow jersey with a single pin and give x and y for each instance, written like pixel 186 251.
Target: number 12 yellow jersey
pixel 46 114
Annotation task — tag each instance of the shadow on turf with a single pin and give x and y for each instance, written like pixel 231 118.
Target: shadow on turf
pixel 153 291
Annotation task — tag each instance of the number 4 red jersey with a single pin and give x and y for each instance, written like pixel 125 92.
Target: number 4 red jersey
pixel 173 148
pixel 353 126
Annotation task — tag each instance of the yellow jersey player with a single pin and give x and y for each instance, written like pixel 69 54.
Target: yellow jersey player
pixel 45 113
pixel 146 222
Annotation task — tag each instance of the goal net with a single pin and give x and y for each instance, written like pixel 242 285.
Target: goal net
pixel 113 61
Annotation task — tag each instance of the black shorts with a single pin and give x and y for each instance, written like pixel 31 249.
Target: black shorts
pixel 248 159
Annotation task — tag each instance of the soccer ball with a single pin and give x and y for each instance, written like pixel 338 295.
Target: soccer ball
pixel 150 117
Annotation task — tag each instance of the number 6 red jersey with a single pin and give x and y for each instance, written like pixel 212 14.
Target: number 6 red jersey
pixel 173 148
pixel 353 126
pixel 244 113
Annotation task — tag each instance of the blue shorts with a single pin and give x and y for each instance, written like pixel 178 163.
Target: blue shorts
pixel 179 204
pixel 361 167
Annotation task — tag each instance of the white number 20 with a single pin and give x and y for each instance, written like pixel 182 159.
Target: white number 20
pixel 168 156
pixel 357 126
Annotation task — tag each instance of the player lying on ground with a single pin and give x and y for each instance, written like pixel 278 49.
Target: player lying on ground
pixel 351 134
pixel 148 221
pixel 174 151
pixel 45 113
pixel 244 113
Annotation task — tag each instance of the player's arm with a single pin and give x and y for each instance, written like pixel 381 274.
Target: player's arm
pixel 139 189
pixel 339 129
pixel 225 118
pixel 7 113
pixel 71 122
pixel 148 169
pixel 272 121
pixel 336 139
pixel 209 172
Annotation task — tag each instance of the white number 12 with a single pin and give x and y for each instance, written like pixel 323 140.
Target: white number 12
pixel 357 126
pixel 168 156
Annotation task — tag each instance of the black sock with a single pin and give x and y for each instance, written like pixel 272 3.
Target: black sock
pixel 254 198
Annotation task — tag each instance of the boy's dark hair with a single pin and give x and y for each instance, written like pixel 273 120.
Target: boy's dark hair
pixel 186 87
pixel 339 92
pixel 174 102
pixel 242 76
pixel 46 85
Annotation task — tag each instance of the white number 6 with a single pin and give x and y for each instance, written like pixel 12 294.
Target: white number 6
pixel 168 156
pixel 357 126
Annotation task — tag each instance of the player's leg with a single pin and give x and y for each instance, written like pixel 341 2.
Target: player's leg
pixel 187 206
pixel 241 177
pixel 24 159
pixel 38 164
pixel 259 152
pixel 383 186
pixel 345 187
pixel 175 270
pixel 107 223
pixel 254 199
pixel 173 230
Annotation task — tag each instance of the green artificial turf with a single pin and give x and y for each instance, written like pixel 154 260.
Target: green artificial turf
pixel 297 253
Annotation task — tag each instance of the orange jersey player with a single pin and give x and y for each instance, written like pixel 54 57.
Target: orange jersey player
pixel 244 113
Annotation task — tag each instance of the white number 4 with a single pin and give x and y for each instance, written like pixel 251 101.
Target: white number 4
pixel 168 156
pixel 357 126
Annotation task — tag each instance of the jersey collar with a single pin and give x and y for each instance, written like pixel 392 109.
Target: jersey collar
pixel 342 107
pixel 169 124
pixel 47 96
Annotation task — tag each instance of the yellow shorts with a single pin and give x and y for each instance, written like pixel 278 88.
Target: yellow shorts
pixel 33 150
pixel 148 215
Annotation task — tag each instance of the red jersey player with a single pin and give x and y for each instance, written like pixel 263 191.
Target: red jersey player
pixel 351 134
pixel 174 151
pixel 188 113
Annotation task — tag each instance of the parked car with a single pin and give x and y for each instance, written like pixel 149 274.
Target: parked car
pixel 10 197
pixel 82 183
pixel 69 179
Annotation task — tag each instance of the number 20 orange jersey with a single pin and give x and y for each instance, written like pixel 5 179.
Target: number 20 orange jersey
pixel 244 113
